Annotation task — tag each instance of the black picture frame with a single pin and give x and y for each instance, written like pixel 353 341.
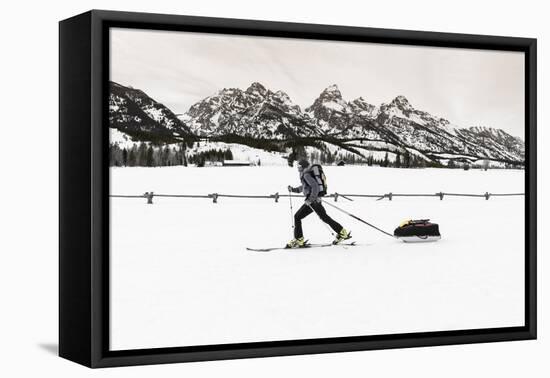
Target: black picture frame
pixel 84 204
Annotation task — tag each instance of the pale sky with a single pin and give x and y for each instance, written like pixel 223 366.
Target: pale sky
pixel 467 87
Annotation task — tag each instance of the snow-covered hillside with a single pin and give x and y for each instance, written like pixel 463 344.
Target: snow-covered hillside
pixel 181 275
pixel 132 112
pixel 121 139
pixel 240 152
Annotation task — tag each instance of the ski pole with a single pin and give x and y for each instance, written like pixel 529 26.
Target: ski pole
pixel 291 209
pixel 359 219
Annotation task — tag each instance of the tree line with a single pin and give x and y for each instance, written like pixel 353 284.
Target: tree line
pixel 213 155
pixel 148 155
pixel 402 160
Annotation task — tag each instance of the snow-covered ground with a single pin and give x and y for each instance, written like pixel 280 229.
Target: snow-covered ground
pixel 240 152
pixel 180 273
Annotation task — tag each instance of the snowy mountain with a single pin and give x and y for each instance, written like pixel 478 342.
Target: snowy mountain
pixel 357 125
pixel 436 137
pixel 134 113
pixel 262 118
pixel 331 111
pixel 491 139
pixel 256 112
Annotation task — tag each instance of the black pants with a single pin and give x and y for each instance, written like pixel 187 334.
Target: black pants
pixel 305 210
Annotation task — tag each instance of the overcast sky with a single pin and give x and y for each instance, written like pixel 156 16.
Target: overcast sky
pixel 467 87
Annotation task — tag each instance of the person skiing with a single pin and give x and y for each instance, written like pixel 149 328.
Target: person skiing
pixel 313 186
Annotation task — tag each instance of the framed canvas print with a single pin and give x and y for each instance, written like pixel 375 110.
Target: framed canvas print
pixel 235 188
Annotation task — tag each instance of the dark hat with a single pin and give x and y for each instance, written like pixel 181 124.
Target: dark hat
pixel 303 163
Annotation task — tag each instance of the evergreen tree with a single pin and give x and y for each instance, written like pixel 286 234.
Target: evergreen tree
pixel 111 155
pixel 115 156
pixel 149 161
pixel 132 156
pixel 397 161
pixel 174 157
pixel 200 161
pixel 406 159
pixel 370 160
pixel 142 155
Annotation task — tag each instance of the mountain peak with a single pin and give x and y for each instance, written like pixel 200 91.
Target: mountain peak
pixel 363 107
pixel 487 130
pixel 258 88
pixel 402 103
pixel 330 94
pixel 360 100
pixel 401 100
pixel 330 102
pixel 332 90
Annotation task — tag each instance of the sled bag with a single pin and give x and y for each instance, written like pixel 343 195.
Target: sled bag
pixel 417 230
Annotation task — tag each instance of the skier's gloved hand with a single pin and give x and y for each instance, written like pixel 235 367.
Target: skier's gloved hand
pixel 308 202
pixel 290 188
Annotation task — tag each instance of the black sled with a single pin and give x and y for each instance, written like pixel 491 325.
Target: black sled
pixel 418 230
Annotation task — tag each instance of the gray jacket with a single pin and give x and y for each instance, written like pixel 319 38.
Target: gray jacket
pixel 309 186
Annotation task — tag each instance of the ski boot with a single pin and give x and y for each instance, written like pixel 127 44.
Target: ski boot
pixel 296 243
pixel 342 235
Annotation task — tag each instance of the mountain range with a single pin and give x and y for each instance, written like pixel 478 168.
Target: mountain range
pixel 260 114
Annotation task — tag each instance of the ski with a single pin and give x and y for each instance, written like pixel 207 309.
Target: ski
pixel 321 245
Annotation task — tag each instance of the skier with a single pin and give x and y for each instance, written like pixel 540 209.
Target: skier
pixel 313 186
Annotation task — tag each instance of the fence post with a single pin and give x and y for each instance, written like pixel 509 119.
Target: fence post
pixel 214 197
pixel 276 196
pixel 487 195
pixel 440 194
pixel 335 197
pixel 390 195
pixel 149 196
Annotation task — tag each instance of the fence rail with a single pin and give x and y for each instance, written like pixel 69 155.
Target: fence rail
pixel 215 196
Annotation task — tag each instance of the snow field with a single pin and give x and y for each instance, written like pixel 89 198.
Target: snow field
pixel 180 273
